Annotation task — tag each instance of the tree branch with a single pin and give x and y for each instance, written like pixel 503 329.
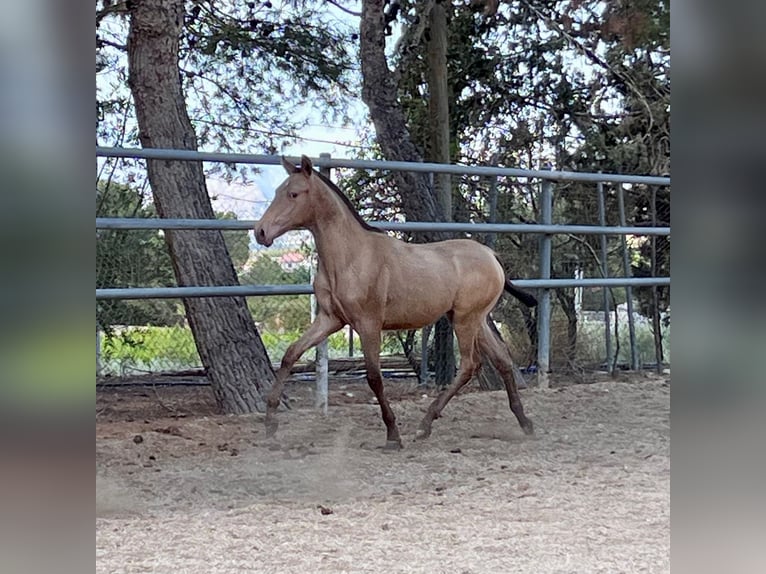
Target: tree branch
pixel 406 46
pixel 102 42
pixel 109 8
pixel 343 9
pixel 593 57
pixel 379 93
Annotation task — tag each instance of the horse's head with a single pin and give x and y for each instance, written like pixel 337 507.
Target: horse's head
pixel 292 205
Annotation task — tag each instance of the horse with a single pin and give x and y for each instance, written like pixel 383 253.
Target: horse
pixel 375 282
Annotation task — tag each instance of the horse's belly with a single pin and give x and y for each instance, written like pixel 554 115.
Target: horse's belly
pixel 413 316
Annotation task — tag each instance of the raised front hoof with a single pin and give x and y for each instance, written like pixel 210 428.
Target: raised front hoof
pixel 423 433
pixel 393 445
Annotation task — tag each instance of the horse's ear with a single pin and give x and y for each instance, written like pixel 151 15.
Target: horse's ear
pixel 306 166
pixel 289 168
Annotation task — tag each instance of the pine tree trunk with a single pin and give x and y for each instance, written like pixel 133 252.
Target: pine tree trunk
pixel 228 343
pixel 567 300
pixel 438 105
pixel 438 113
pixel 379 92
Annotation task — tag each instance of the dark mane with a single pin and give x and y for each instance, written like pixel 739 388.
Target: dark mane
pixel 348 203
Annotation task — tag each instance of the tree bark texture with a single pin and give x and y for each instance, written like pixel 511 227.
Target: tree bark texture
pixel 438 104
pixel 567 300
pixel 438 113
pixel 228 343
pixel 379 92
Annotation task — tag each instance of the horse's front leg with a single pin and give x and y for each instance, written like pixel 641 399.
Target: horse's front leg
pixel 323 326
pixel 370 337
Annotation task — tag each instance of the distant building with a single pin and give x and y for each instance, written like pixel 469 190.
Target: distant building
pixel 292 261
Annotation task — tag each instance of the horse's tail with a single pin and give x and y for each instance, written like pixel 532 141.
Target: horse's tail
pixel 527 298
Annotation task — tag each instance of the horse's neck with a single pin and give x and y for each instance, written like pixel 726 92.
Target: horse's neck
pixel 337 233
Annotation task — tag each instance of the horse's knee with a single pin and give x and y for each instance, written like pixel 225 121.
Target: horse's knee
pixel 288 359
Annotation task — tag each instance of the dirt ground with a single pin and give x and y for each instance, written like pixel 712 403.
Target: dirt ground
pixel 180 489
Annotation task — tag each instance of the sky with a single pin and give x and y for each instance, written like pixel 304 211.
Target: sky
pixel 249 200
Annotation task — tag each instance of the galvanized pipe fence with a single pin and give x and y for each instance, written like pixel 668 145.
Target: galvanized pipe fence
pixel 546 229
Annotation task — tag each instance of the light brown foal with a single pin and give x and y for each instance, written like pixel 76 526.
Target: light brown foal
pixel 375 282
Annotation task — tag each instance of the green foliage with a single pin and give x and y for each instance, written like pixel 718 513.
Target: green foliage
pixel 277 343
pixel 131 258
pixel 140 258
pixel 246 68
pixel 149 348
pixel 577 85
pixel 172 348
pixel 280 313
pixel 591 345
pixel 580 85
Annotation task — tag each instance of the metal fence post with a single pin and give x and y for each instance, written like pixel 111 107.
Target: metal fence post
pixel 628 289
pixel 605 274
pixel 424 334
pixel 492 237
pixel 322 371
pixel 545 231
pixel 544 308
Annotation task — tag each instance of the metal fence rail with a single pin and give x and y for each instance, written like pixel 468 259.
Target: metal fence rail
pixel 267 290
pixel 546 229
pixel 243 224
pixel 423 167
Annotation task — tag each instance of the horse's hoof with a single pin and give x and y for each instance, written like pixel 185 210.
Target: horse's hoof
pixel 393 445
pixel 528 428
pixel 271 427
pixel 422 434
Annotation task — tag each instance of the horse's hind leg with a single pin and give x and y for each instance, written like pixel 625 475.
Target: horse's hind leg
pixel 495 349
pixel 371 347
pixel 466 332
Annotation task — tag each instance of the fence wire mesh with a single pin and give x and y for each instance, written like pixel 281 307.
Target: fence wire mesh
pixel 146 336
pixel 578 339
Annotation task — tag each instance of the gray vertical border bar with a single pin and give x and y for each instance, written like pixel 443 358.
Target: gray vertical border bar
pixel 544 308
pixel 605 274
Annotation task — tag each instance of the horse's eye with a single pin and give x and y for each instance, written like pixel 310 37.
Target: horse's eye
pixel 293 194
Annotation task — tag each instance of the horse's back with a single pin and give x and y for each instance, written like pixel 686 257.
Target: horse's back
pixel 442 259
pixel 431 279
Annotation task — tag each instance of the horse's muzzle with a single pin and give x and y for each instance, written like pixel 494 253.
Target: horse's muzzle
pixel 260 236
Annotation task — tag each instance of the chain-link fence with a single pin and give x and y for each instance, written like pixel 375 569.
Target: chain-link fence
pixel 151 335
pixel 637 318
